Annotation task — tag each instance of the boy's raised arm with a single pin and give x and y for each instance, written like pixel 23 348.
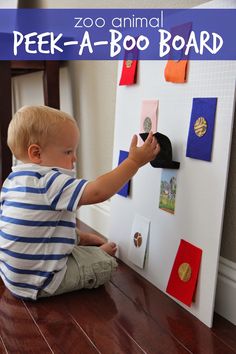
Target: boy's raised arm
pixel 110 183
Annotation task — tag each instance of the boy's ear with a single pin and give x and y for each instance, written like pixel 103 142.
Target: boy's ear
pixel 34 153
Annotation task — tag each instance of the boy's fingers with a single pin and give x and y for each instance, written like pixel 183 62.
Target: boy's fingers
pixel 134 141
pixel 157 148
pixel 152 140
pixel 155 143
pixel 149 138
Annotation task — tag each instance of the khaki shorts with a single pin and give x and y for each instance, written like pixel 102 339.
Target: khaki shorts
pixel 87 267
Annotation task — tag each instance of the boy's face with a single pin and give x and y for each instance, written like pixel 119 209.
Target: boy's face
pixel 61 151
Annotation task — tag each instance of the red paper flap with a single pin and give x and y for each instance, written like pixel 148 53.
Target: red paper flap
pixel 128 76
pixel 183 278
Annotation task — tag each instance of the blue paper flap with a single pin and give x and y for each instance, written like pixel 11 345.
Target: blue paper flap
pixel 201 129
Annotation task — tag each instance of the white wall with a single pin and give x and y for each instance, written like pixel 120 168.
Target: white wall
pixel 5 4
pixel 119 3
pixel 93 96
pixel 28 89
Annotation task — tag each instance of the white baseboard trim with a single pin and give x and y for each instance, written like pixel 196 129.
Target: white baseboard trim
pixel 225 304
pixel 97 216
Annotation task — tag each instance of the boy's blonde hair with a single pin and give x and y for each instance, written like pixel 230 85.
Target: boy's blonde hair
pixel 33 125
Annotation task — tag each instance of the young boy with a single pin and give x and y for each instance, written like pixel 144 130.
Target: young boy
pixel 40 255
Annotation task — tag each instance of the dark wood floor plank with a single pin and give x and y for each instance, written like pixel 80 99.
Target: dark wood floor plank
pixel 17 329
pixel 116 325
pixel 2 348
pixel 58 327
pixel 225 330
pixel 96 320
pixel 194 335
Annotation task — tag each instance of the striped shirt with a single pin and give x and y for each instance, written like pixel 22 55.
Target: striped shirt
pixel 37 227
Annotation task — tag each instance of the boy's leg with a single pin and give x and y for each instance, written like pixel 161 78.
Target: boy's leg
pixel 87 267
pixel 89 239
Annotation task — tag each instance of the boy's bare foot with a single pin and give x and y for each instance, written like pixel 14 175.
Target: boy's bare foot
pixel 90 239
pixel 110 248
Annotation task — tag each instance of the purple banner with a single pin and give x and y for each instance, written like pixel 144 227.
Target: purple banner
pixel 106 34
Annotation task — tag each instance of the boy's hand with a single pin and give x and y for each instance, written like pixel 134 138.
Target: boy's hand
pixel 145 153
pixel 105 186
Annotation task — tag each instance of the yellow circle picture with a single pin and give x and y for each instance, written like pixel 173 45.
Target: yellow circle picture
pixel 185 272
pixel 128 63
pixel 200 126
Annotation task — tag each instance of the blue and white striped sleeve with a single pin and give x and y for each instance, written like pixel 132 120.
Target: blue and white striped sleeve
pixel 64 192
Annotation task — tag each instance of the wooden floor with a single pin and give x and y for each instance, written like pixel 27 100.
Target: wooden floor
pixel 126 316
